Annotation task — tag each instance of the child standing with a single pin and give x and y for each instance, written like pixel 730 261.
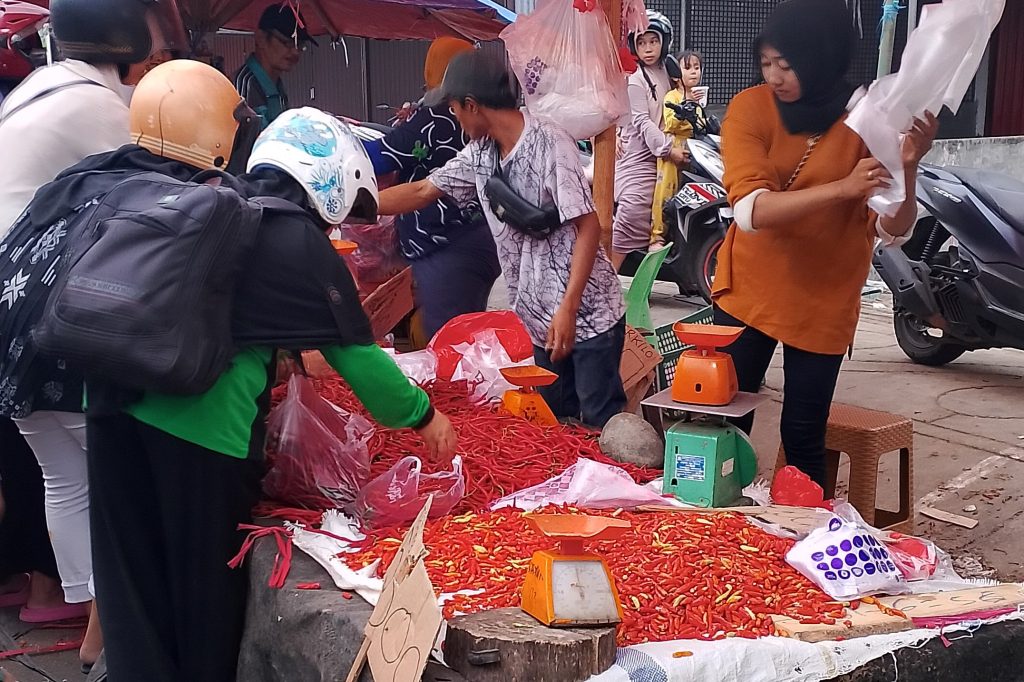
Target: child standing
pixel 560 282
pixel 686 74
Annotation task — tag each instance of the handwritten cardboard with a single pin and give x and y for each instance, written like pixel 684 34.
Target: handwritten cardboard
pixel 869 620
pixel 639 358
pixel 389 303
pixel 405 622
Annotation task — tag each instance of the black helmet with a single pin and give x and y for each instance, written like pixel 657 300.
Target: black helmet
pixel 656 23
pixel 117 31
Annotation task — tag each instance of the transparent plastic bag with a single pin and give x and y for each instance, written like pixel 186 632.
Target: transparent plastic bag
pixel 568 64
pixel 395 497
pixel 586 484
pixel 420 366
pixel 938 65
pixel 379 256
pixel 317 451
pixel 481 365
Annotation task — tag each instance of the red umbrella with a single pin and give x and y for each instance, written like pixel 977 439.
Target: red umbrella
pixel 387 19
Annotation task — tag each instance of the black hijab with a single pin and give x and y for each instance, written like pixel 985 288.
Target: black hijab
pixel 816 38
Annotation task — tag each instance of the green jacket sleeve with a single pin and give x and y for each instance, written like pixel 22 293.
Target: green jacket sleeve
pixel 379 384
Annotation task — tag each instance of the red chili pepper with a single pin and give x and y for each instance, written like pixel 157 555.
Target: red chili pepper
pixel 307 586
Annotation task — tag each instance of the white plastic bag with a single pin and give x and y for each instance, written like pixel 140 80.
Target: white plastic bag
pixel 420 366
pixel 568 66
pixel 481 365
pixel 941 58
pixel 586 484
pixel 847 561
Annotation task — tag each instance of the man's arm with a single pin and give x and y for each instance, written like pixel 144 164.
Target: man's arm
pixel 562 333
pixel 407 198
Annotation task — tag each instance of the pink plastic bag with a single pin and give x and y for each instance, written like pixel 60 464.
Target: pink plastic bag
pixel 794 488
pixel 395 497
pixel 378 257
pixel 317 451
pixel 568 64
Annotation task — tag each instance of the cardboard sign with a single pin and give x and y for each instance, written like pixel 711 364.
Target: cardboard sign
pixel 639 358
pixel 404 624
pixel 390 303
pixel 869 620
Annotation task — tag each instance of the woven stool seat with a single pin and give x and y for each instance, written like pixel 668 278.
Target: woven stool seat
pixel 865 435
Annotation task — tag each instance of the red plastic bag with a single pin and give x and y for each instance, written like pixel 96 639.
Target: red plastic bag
pixel 395 497
pixel 794 488
pixel 317 451
pixel 379 256
pixel 462 329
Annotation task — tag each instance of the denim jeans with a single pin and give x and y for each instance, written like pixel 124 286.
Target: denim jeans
pixel 809 384
pixel 589 386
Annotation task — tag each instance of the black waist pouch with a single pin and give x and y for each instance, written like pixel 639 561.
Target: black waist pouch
pixel 517 212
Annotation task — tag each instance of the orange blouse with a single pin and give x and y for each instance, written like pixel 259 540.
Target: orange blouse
pixel 800 284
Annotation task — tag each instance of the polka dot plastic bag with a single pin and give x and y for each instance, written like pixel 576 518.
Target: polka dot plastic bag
pixel 847 561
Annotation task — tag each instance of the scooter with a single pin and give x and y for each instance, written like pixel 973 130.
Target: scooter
pixel 697 218
pixel 958 284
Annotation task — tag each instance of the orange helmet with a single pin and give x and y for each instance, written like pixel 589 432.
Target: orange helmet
pixel 190 112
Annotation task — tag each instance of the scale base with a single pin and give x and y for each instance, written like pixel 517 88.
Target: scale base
pixel 707 465
pixel 570 591
pixel 530 406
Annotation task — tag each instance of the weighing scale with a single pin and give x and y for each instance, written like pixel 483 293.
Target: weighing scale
pixel 524 401
pixel 568 587
pixel 344 247
pixel 705 376
pixel 708 461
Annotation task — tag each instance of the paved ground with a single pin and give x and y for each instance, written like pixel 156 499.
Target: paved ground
pixel 969 452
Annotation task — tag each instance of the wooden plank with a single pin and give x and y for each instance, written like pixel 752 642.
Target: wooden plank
pixel 604 147
pixel 947 517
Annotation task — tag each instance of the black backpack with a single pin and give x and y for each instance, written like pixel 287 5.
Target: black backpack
pixel 144 299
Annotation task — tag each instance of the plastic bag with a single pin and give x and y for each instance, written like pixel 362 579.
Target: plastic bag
pixel 941 58
pixel 586 484
pixel 318 453
pixel 481 365
pixel 568 64
pixel 379 256
pixel 395 497
pixel 916 558
pixel 794 488
pixel 420 366
pixel 462 329
pixel 847 561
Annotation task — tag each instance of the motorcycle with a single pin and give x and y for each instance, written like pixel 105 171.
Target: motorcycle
pixel 697 217
pixel 958 284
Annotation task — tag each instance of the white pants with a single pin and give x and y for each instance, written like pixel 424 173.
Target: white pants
pixel 58 441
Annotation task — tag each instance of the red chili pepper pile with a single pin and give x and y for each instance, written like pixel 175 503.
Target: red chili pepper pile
pixel 501 453
pixel 679 576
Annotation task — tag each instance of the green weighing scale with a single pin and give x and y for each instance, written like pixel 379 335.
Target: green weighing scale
pixel 708 461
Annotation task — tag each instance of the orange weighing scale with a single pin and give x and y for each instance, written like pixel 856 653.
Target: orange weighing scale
pixel 524 401
pixel 569 587
pixel 704 375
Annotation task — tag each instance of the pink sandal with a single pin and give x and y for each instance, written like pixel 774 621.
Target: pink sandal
pixel 53 614
pixel 19 595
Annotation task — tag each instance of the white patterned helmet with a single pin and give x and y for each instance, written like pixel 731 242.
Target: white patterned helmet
pixel 326 158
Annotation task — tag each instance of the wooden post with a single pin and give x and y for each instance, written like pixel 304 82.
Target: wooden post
pixel 886 44
pixel 604 147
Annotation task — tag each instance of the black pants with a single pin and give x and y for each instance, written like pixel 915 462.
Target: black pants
pixel 456 279
pixel 810 382
pixel 24 539
pixel 589 385
pixel 164 514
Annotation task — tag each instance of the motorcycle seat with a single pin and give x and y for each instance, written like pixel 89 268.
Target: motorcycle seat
pixel 1001 193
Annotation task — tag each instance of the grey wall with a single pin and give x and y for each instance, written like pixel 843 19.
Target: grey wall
pixel 1001 154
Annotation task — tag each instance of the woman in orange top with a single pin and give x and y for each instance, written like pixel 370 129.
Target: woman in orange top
pixel 793 265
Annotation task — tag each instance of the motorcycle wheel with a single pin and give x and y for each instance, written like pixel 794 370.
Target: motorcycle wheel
pixel 920 346
pixel 704 262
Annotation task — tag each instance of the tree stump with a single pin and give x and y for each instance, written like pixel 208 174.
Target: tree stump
pixel 508 645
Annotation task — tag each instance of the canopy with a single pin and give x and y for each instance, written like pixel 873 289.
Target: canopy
pixel 386 19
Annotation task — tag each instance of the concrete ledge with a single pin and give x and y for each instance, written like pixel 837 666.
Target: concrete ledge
pixel 1002 154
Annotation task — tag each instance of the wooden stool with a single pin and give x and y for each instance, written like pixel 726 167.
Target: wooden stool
pixel 865 435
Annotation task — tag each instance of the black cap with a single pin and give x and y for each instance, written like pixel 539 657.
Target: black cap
pixel 481 76
pixel 281 19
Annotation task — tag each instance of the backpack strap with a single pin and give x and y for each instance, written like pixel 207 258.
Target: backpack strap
pixel 279 205
pixel 43 94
